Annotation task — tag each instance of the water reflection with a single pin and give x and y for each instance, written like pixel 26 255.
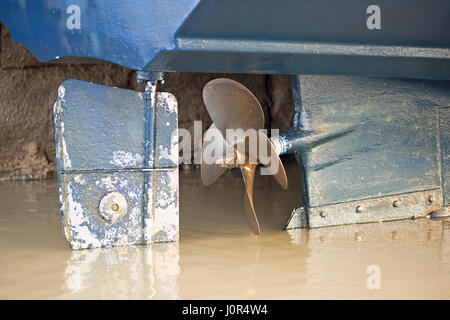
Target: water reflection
pixel 418 231
pixel 413 256
pixel 143 272
pixel 217 257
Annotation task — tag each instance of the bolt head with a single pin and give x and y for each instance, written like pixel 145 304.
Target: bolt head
pixel 396 203
pixel 359 209
pixel 113 206
pixel 430 199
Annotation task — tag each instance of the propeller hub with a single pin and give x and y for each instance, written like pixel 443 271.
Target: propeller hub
pixel 232 159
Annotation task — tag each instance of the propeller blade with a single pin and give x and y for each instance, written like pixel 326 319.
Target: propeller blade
pixel 232 106
pixel 271 160
pixel 214 145
pixel 248 173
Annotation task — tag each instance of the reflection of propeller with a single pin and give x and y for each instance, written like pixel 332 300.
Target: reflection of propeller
pixel 232 106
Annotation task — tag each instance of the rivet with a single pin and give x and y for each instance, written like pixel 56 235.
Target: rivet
pixel 396 203
pixel 115 207
pixel 430 199
pixel 359 209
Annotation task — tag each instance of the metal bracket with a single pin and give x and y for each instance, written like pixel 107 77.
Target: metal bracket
pixel 395 207
pixel 117 154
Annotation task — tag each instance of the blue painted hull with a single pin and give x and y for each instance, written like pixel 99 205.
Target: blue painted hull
pixel 253 36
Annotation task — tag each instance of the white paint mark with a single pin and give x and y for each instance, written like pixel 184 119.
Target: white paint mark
pixel 126 159
pixel 78 178
pixel 78 221
pixel 61 92
pixel 65 154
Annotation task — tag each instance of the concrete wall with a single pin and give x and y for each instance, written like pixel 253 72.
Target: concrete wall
pixel 28 90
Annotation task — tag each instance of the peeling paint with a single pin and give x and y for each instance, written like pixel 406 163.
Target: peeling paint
pixel 78 223
pixel 150 194
pixel 168 102
pixel 61 92
pixel 65 154
pixel 78 178
pixel 164 153
pixel 127 159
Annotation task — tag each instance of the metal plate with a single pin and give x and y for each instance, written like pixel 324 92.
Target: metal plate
pixel 113 141
pixel 403 206
pixel 392 149
pixel 444 144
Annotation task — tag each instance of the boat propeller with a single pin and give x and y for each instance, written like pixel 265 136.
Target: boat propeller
pixel 236 139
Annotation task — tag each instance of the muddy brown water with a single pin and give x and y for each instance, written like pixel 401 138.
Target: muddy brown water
pixel 217 257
